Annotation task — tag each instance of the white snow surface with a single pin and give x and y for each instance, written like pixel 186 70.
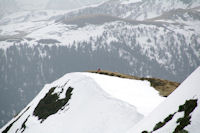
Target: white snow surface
pixel 95 106
pixel 129 1
pixel 189 89
pixel 136 92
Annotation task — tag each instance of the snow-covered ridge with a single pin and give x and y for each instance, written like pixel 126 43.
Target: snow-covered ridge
pixel 187 92
pixel 97 104
pixel 135 92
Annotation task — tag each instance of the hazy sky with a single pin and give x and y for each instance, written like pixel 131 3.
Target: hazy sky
pixel 32 4
pixel 10 6
pixel 41 4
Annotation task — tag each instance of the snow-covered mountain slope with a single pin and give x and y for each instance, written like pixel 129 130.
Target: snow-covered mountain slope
pixel 179 112
pixel 33 43
pixel 165 43
pixel 86 103
pixel 136 9
pixel 135 92
pixel 181 16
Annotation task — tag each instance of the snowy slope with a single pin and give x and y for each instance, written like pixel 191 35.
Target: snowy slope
pixel 129 1
pixel 93 107
pixel 137 9
pixel 32 43
pixel 154 37
pixel 188 90
pixel 164 42
pixel 135 92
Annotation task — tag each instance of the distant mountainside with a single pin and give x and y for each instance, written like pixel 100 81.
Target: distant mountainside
pixel 137 9
pixel 40 46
